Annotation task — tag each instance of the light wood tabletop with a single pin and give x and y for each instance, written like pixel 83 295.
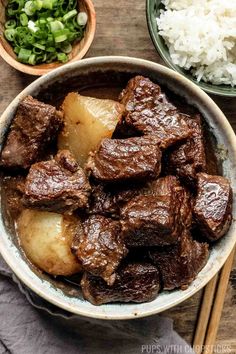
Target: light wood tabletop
pixel 122 30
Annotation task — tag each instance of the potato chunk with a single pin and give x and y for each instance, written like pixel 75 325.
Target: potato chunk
pixel 87 121
pixel 46 240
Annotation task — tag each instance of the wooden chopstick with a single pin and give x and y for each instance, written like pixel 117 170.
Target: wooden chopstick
pixel 218 305
pixel 205 312
pixel 211 309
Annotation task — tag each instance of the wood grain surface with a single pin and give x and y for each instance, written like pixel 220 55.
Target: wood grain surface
pixel 122 30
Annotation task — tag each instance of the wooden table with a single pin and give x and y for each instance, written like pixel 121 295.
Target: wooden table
pixel 122 30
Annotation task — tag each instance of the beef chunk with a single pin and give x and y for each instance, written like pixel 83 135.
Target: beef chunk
pixel 187 159
pixel 157 217
pixel 103 202
pixel 100 247
pixel 213 206
pixel 135 282
pixel 148 110
pixel 151 221
pixel 34 127
pixel 58 185
pixel 170 187
pixel 107 200
pixel 179 264
pixel 13 190
pixel 118 160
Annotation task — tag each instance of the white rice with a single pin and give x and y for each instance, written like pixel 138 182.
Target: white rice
pixel 201 37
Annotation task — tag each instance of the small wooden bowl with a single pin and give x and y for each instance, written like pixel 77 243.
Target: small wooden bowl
pixel 78 52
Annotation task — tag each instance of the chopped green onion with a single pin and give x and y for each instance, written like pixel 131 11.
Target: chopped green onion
pixel 62 57
pixel 51 57
pixel 23 19
pixel 17 50
pixel 50 49
pixel 60 36
pixel 29 8
pixel 56 26
pixel 40 46
pixel 42 57
pixel 72 36
pixel 10 34
pixel 69 15
pixel 32 59
pixel 50 40
pixel 82 19
pixel 32 26
pixel 43 30
pixel 38 4
pixel 24 55
pixel 66 47
pixel 10 24
pixel 37 51
pixel 48 4
pixel 42 21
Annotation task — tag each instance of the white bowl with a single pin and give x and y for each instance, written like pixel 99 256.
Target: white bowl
pixel 106 71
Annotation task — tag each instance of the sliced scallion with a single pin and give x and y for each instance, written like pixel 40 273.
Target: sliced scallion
pixel 24 19
pixel 10 34
pixel 40 46
pixel 56 26
pixel 38 4
pixel 82 19
pixel 32 59
pixel 42 21
pixel 32 26
pixel 48 4
pixel 17 50
pixel 69 15
pixel 62 57
pixel 24 55
pixel 29 8
pixel 10 24
pixel 60 36
pixel 66 48
pixel 50 49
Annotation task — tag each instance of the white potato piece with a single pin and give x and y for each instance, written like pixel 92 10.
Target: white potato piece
pixel 87 121
pixel 46 240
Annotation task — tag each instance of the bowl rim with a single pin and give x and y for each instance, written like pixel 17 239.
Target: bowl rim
pixel 215 90
pixel 37 70
pixel 194 89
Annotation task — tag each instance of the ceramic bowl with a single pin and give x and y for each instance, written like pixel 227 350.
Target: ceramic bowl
pixel 153 8
pixel 78 52
pixel 104 77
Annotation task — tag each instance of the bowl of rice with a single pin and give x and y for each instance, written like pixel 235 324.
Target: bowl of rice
pixel 198 40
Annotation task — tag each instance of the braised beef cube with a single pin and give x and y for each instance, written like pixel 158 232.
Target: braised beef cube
pixel 170 186
pixel 151 221
pixel 214 163
pixel 189 158
pixel 58 185
pixel 149 111
pixel 100 247
pixel 135 282
pixel 119 160
pixel 107 200
pixel 103 202
pixel 213 206
pixel 124 131
pixel 179 264
pixel 12 193
pixel 186 209
pixel 35 125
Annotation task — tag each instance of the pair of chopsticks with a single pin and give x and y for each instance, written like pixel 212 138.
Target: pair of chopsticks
pixel 211 309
